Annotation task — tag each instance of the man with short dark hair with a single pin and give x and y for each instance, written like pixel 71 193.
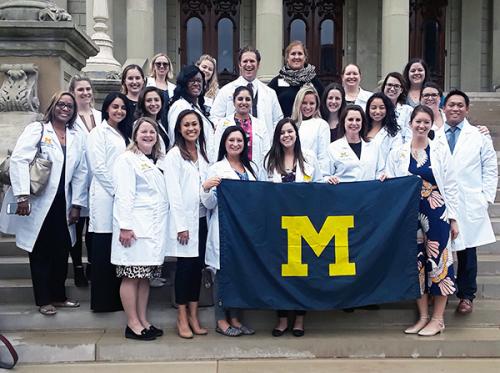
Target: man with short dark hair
pixel 475 163
pixel 265 102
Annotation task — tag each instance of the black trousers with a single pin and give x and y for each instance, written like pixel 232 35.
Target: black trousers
pixel 188 270
pixel 49 258
pixel 284 313
pixel 104 285
pixel 76 251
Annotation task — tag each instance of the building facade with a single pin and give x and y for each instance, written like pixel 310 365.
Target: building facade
pixel 459 39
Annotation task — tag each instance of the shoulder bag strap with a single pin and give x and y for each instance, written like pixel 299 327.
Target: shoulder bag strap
pixel 13 353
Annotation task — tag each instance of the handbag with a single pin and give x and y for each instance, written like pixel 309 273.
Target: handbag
pixel 39 170
pixel 12 351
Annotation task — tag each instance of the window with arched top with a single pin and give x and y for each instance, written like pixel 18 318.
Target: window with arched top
pixel 225 43
pixel 194 39
pixel 212 27
pixel 317 23
pixel 298 30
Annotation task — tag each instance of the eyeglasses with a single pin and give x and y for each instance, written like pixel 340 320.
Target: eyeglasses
pixel 194 81
pixel 160 64
pixel 62 105
pixel 430 95
pixel 396 87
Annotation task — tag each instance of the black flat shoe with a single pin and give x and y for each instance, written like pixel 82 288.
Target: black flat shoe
pixel 278 332
pixel 145 335
pixel 155 331
pixel 298 332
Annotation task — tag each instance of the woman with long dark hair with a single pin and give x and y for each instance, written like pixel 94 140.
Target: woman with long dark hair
pixel 382 128
pixel 105 143
pixel 232 163
pixel 416 74
pixel 187 219
pixel 394 87
pixel 331 106
pixel 151 105
pixel 132 81
pixel 189 95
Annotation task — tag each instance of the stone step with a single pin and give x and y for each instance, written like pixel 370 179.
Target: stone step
pixel 495 222
pixel 492 248
pixel 21 291
pixel 494 210
pixel 351 365
pixel 18 267
pixel 110 345
pixel 25 317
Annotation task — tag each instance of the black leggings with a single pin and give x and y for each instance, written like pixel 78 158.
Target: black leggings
pixel 188 270
pixel 76 251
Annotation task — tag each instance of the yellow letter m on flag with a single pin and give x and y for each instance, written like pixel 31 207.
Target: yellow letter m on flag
pixel 299 227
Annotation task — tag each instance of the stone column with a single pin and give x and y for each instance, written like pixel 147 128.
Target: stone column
pixel 140 32
pixel 103 65
pixel 495 45
pixel 269 36
pixel 367 50
pixel 470 55
pixel 395 35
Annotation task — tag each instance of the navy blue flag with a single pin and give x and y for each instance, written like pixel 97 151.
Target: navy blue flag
pixel 313 246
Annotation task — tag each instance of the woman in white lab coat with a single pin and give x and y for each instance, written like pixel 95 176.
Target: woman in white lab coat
pixel 139 225
pixel 314 131
pixel 44 225
pixel 394 87
pixel 351 81
pixel 189 95
pixel 150 104
pixel 232 163
pixel 352 157
pixel 256 131
pixel 432 162
pixel 105 143
pixel 286 163
pixel 88 118
pixel 382 128
pixel 187 222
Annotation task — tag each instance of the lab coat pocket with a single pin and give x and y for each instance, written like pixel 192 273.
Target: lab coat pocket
pixel 143 222
pixel 476 205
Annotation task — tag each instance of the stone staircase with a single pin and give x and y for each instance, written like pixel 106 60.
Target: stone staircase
pixel 78 335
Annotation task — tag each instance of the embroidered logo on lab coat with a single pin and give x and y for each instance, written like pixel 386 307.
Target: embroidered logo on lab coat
pixel 47 140
pixel 144 166
pixel 344 155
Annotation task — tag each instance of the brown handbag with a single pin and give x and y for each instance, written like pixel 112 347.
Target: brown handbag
pixel 39 170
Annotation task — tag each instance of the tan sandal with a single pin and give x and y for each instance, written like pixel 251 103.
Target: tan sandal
pixel 435 326
pixel 47 310
pixel 419 325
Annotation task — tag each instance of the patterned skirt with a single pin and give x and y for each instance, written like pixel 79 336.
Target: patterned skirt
pixel 138 271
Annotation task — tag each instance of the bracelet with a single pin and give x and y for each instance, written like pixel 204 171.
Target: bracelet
pixel 22 199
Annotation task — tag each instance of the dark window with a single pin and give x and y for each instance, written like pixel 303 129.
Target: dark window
pixel 317 23
pixel 211 26
pixel 194 39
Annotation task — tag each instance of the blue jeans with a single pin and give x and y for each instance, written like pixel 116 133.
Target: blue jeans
pixel 467 273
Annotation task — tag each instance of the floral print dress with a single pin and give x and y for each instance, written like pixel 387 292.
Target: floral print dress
pixel 434 259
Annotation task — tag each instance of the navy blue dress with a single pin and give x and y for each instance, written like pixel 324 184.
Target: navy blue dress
pixel 435 259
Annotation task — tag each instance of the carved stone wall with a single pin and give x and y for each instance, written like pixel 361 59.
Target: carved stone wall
pixel 19 89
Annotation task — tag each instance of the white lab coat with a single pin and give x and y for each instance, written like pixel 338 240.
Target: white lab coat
pixel 141 205
pixel 260 138
pixel 183 179
pixel 347 167
pixel 475 164
pixel 105 144
pixel 27 228
pixel 177 107
pixel 223 170
pixel 386 143
pixel 363 97
pixel 403 114
pixel 312 172
pixel 314 136
pixel 398 163
pixel 268 106
pixel 150 82
pixel 84 130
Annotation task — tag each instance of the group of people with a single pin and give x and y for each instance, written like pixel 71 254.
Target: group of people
pixel 142 175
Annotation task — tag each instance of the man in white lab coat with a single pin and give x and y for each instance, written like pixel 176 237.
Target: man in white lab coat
pixel 475 163
pixel 265 105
